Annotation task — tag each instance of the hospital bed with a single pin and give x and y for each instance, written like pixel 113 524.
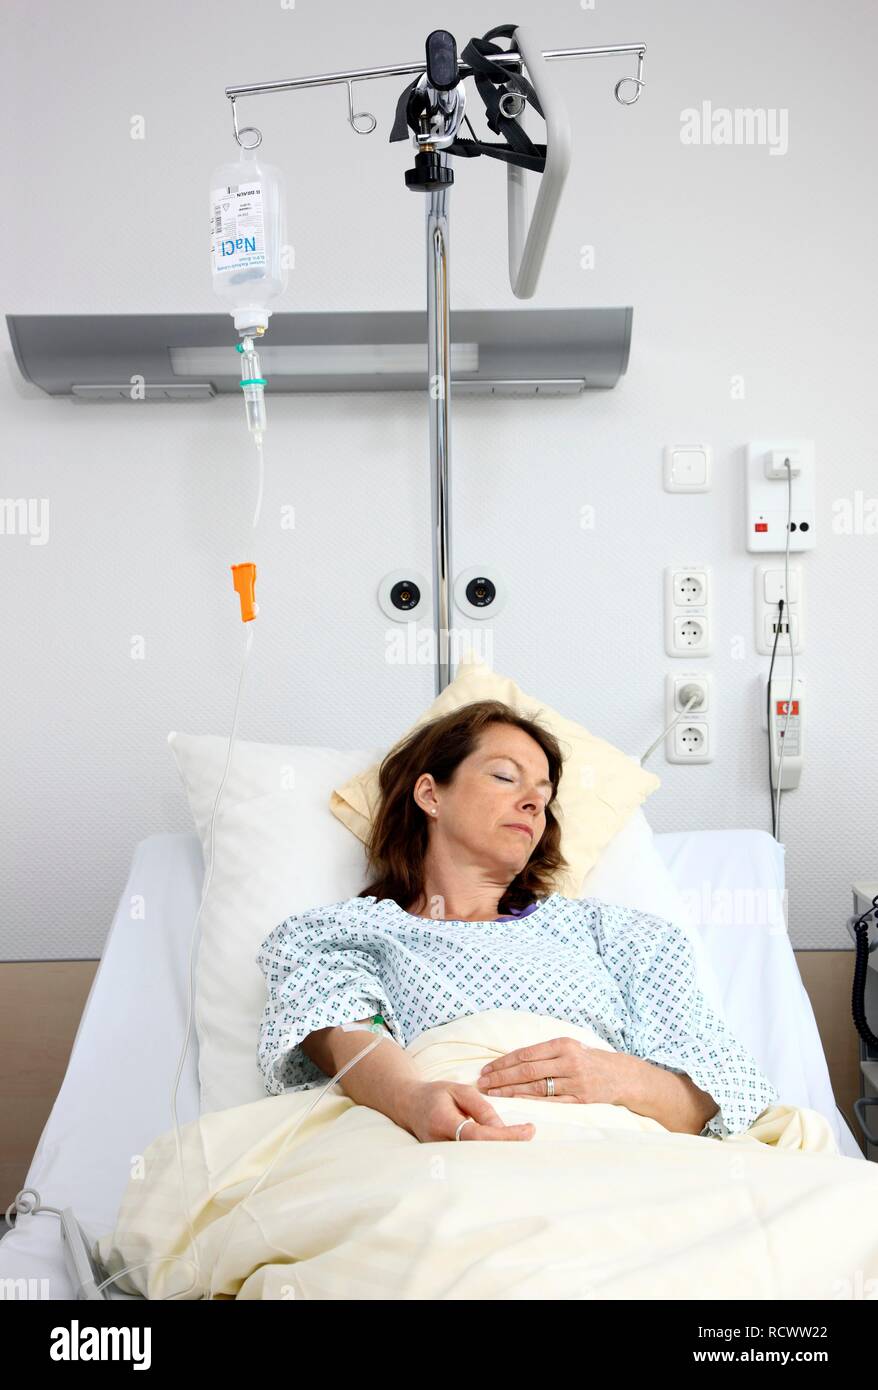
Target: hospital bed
pixel 115 1097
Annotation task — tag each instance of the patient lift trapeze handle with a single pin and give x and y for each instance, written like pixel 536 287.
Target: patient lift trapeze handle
pixel 528 241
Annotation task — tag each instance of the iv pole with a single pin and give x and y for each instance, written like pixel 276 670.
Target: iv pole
pixel 440 80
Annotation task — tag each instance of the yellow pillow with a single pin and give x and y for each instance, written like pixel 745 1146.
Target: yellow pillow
pixel 600 787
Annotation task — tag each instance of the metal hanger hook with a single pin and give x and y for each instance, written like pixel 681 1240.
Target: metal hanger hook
pixel 512 103
pixel 354 116
pixel 629 101
pixel 639 84
pixel 245 130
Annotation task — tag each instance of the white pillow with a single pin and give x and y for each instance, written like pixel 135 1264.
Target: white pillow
pixel 279 850
pixel 632 873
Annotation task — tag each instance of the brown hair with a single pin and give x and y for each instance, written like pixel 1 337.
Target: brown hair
pixel 398 839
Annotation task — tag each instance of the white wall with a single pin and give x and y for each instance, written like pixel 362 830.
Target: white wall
pixel 737 261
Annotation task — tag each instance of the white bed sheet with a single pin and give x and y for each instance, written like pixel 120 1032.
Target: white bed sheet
pixel 734 882
pixel 115 1097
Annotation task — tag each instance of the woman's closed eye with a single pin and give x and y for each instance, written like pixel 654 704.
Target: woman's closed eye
pixel 502 778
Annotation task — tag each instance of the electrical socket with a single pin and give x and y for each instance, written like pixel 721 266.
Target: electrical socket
pixel 776 461
pixel 690 586
pixel 789 632
pixel 690 634
pixel 692 738
pixel 691 742
pixel 687 610
pixel 703 681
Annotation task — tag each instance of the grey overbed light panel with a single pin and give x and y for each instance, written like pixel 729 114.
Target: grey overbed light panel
pixel 519 351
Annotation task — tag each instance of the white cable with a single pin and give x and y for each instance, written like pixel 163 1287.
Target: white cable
pixel 783 739
pixel 695 699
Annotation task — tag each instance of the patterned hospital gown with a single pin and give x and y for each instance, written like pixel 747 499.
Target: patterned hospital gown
pixel 626 974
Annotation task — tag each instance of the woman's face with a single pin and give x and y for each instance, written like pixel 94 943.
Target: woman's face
pixel 503 784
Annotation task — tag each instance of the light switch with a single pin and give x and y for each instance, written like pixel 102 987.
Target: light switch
pixel 774 583
pixel 687 467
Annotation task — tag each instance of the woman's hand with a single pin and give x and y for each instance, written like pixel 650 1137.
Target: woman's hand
pixel 582 1074
pixel 433 1109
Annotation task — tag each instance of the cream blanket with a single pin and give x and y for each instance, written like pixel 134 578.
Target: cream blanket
pixel 602 1203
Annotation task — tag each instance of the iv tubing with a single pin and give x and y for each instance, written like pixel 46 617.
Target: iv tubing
pixel 204 892
pixel 195 1263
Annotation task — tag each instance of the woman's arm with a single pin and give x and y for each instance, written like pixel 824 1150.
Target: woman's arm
pixel 382 1080
pixel 595 1075
pixel 387 1080
pixel 670 1097
pixel 672 1027
pixel 321 968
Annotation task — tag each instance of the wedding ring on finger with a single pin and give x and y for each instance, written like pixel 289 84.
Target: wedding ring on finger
pixel 469 1121
pixel 550 1086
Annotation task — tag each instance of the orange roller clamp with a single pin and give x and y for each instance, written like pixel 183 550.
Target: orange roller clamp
pixel 244 578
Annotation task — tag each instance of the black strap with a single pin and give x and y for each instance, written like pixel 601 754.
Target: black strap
pixel 519 148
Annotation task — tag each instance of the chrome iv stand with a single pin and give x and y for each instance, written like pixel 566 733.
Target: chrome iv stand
pixel 440 80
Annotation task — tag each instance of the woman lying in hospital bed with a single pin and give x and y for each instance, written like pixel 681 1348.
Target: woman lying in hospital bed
pixel 457 921
pixel 573 1030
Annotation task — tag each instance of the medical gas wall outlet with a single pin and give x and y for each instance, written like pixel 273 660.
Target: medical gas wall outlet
pixel 480 593
pixel 687 610
pixel 769 588
pixel 691 740
pixel 404 596
pixel 768 495
pixel 686 467
pixel 786 733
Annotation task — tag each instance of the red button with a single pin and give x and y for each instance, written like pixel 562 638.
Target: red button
pixel 761 526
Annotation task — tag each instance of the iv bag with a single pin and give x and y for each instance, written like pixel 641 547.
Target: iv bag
pixel 247 236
